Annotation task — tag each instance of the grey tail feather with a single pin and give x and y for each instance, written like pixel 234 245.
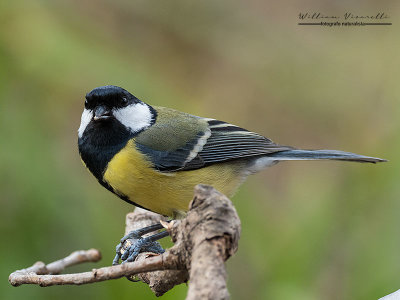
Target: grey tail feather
pixel 298 154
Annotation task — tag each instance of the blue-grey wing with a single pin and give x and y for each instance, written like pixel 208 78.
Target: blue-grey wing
pixel 228 142
pixel 217 142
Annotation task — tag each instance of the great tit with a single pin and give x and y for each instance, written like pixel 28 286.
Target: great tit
pixel 152 157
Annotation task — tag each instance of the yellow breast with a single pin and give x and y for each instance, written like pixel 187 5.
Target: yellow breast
pixel 130 173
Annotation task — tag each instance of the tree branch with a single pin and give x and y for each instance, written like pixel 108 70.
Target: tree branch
pixel 204 240
pixel 159 281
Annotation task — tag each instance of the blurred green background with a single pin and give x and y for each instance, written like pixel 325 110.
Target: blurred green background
pixel 310 230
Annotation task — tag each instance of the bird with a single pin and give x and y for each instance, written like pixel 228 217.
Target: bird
pixel 152 157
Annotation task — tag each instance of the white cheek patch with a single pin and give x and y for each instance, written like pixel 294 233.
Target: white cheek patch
pixel 135 117
pixel 85 120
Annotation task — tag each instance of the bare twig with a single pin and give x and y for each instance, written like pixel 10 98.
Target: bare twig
pixel 203 241
pixel 34 273
pixel 40 275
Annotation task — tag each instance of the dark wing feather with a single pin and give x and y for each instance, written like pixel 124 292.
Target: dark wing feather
pixel 173 140
pixel 229 142
pixel 219 141
pixel 173 160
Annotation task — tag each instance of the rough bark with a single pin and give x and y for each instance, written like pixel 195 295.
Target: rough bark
pixel 204 240
pixel 158 281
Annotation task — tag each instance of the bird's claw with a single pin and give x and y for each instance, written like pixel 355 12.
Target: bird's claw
pixel 132 244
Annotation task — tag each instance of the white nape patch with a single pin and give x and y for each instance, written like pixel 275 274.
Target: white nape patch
pixel 135 117
pixel 199 146
pixel 85 120
pixel 261 163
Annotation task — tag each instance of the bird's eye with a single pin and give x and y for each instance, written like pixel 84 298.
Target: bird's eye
pixel 124 101
pixel 86 104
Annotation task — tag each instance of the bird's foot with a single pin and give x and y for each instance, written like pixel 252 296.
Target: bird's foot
pixel 133 243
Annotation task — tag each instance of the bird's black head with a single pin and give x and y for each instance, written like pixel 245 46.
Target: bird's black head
pixel 111 106
pixel 110 118
pixel 110 97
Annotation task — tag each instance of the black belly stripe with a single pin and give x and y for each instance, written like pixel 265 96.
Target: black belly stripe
pixel 98 145
pixel 100 142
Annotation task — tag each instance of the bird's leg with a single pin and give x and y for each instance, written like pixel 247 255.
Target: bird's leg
pixel 139 243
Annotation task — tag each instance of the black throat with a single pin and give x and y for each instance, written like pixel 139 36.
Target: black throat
pixel 100 142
